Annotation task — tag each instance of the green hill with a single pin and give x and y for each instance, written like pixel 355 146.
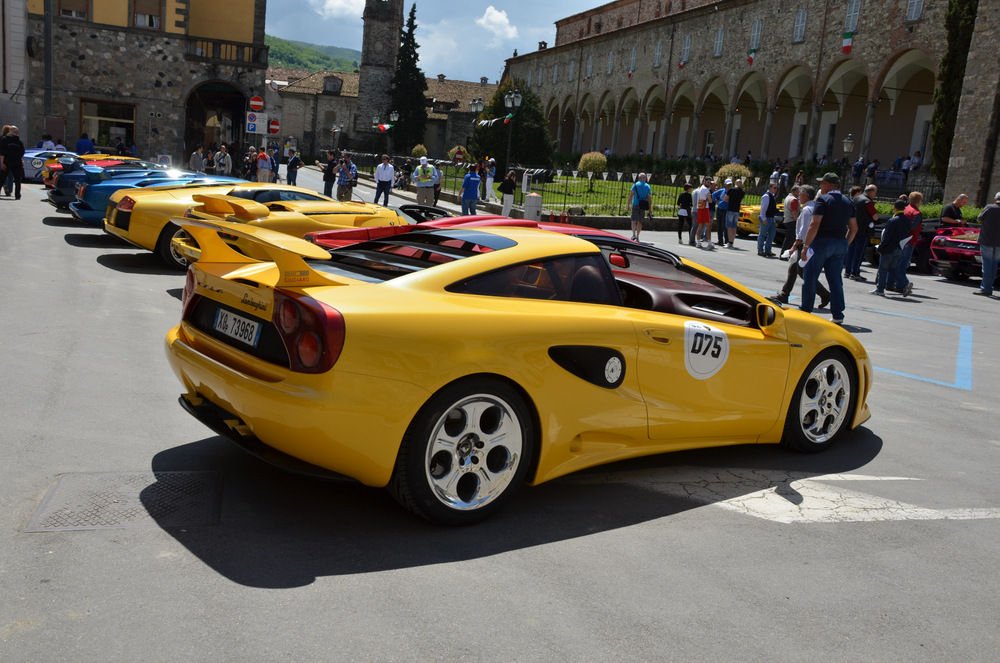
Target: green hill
pixel 289 54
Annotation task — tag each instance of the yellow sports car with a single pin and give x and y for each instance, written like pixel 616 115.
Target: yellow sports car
pixel 749 221
pixel 142 216
pixel 293 217
pixel 454 364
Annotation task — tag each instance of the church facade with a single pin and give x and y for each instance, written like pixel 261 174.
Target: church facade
pixel 768 78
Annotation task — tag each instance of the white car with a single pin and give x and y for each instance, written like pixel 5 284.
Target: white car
pixel 35 158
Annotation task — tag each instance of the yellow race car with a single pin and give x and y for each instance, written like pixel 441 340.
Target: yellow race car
pixel 142 216
pixel 749 221
pixel 293 217
pixel 452 365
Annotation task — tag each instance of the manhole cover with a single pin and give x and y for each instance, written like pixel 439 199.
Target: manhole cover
pixel 117 501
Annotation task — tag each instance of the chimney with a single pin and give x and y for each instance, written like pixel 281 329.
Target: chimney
pixel 484 80
pixel 440 78
pixel 542 45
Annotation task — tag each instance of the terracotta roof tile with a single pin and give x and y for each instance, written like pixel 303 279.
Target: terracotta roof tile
pixel 447 91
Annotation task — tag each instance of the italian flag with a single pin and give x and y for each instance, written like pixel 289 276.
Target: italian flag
pixel 845 46
pixel 751 56
pixel 680 65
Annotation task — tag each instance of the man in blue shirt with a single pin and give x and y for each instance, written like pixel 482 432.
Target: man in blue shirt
pixel 84 145
pixel 470 191
pixel 640 199
pixel 831 230
pixel 720 196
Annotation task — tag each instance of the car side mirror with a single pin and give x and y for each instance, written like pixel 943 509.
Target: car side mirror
pixel 767 315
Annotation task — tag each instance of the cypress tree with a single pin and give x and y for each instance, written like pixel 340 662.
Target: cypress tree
pixel 408 87
pixel 959 23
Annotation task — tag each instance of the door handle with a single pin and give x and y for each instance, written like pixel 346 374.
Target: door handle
pixel 659 335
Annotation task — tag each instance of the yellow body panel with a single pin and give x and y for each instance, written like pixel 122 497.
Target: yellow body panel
pixel 294 217
pixel 352 419
pixel 155 206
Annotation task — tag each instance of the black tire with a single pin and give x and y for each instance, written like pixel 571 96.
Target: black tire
pixel 956 275
pixel 166 253
pixel 481 462
pixel 822 406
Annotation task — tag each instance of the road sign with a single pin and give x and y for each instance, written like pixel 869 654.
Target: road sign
pixel 256 123
pixel 256 103
pixel 274 126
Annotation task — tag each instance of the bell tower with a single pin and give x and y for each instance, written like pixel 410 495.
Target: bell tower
pixel 379 47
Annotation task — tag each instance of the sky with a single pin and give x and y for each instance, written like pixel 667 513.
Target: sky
pixel 462 40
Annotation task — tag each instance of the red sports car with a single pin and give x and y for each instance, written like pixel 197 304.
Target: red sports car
pixel 955 253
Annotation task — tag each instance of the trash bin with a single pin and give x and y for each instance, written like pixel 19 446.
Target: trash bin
pixel 533 207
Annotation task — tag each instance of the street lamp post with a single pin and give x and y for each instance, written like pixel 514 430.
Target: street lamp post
pixel 512 100
pixel 393 118
pixel 848 145
pixel 337 129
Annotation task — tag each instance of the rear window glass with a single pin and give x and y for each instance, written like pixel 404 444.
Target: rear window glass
pixel 385 259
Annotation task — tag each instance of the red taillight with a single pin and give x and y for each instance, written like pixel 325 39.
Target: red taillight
pixel 309 349
pixel 288 316
pixel 313 333
pixel 126 204
pixel 188 298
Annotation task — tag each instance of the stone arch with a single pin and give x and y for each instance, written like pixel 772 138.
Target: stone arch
pixel 749 105
pixel 902 97
pixel 605 114
pixel 840 108
pixel 214 115
pixel 587 124
pixel 681 103
pixel 627 121
pixel 792 103
pixel 713 106
pixel 566 136
pixel 653 116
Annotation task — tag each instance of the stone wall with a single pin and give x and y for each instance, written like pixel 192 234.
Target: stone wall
pixel 13 100
pixel 140 67
pixel 380 45
pixel 973 168
pixel 795 99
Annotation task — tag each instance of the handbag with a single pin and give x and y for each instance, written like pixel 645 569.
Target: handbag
pixel 644 204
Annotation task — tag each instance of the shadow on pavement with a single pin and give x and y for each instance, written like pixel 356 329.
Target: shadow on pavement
pixel 136 263
pixel 279 530
pixel 62 222
pixel 176 293
pixel 95 241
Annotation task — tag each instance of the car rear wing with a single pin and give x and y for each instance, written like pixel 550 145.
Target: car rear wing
pixel 225 206
pixel 288 253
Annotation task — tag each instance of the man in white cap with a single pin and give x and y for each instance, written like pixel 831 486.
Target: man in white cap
pixel 423 178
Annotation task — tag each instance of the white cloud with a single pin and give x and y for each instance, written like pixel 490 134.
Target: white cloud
pixel 496 21
pixel 339 8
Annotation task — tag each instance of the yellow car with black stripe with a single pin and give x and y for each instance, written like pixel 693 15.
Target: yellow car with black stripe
pixel 453 365
pixel 141 217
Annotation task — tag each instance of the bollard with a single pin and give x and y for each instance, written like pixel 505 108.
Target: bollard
pixel 533 207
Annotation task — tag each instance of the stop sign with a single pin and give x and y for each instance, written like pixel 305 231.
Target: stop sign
pixel 273 127
pixel 256 103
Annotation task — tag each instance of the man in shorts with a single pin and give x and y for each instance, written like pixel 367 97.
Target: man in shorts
pixel 640 199
pixel 703 215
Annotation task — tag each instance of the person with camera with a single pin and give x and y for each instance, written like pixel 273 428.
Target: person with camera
pixel 347 177
pixel 329 173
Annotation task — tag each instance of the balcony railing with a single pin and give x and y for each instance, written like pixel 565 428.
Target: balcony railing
pixel 227 52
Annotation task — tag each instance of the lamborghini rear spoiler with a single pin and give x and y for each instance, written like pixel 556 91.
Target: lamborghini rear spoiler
pixel 223 205
pixel 288 253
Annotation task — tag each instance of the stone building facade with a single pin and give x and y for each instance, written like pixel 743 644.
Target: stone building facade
pixel 379 48
pixel 326 110
pixel 772 78
pixel 13 62
pixel 164 75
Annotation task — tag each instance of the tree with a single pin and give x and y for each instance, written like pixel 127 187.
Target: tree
pixel 408 87
pixel 527 130
pixel 959 23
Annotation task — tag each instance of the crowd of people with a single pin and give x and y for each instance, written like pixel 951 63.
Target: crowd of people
pixel 827 232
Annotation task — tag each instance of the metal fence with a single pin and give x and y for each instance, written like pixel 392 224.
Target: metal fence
pixel 606 194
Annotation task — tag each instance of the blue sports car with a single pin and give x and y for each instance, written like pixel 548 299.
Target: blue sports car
pixel 92 197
